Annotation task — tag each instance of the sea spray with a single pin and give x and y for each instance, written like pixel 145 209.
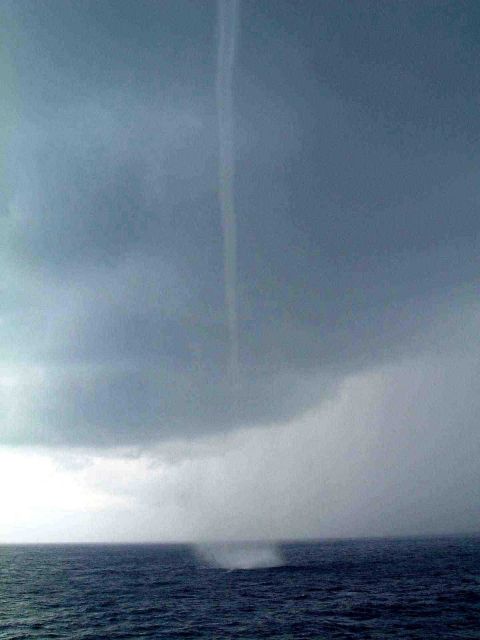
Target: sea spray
pixel 239 555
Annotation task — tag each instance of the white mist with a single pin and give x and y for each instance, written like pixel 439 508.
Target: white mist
pixel 238 555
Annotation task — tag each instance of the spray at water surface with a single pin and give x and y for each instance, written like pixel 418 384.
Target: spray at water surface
pixel 236 555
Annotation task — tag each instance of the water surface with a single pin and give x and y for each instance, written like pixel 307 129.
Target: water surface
pixel 409 588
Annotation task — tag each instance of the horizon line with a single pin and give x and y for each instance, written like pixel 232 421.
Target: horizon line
pixel 245 541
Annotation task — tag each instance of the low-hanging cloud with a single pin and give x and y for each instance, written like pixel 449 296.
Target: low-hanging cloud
pixel 393 452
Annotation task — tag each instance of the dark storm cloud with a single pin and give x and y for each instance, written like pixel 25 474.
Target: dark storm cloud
pixel 357 203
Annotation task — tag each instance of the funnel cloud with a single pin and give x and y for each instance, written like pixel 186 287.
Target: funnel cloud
pixel 228 11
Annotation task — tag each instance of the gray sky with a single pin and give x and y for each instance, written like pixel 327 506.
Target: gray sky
pixel 357 193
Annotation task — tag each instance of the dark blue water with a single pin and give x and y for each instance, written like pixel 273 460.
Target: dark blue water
pixel 423 588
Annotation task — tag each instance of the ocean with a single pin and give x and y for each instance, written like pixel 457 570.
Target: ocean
pixel 395 588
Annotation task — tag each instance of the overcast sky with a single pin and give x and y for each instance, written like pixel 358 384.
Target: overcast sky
pixel 357 193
